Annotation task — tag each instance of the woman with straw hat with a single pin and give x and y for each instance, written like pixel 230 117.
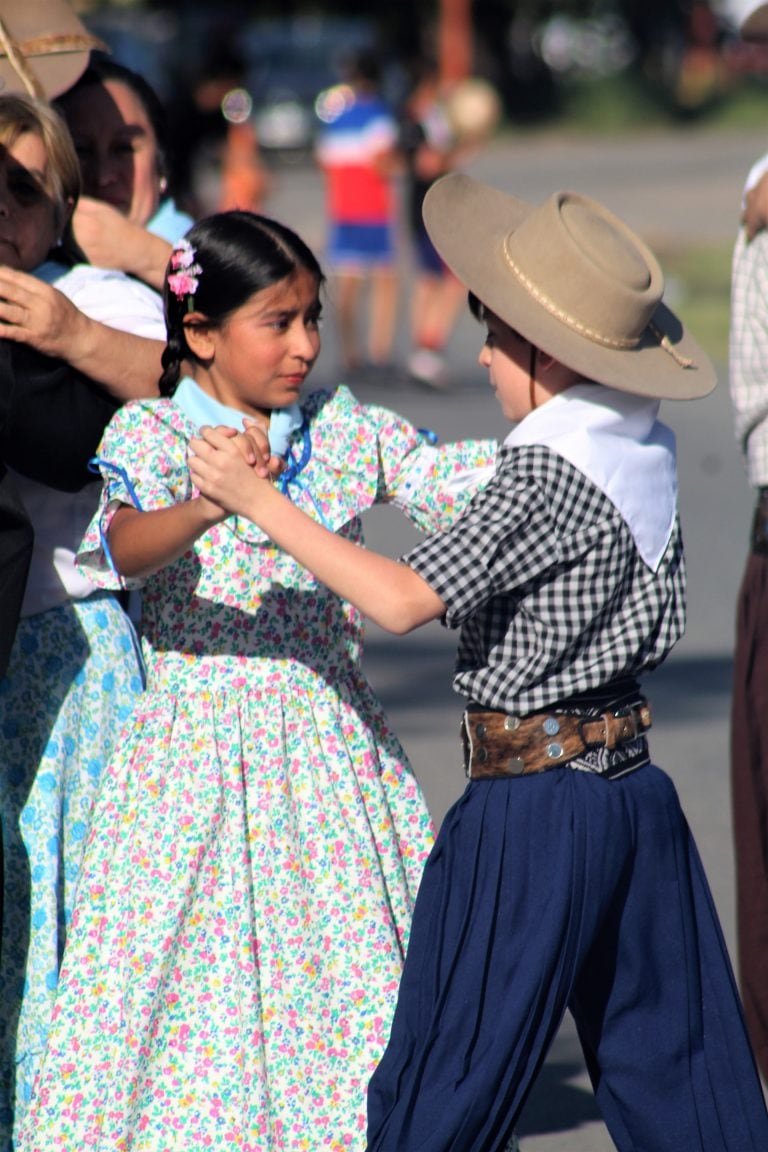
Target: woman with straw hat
pixel 566 875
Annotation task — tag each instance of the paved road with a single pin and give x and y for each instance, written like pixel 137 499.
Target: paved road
pixel 684 186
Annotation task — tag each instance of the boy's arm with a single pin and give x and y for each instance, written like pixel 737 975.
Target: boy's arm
pixel 390 593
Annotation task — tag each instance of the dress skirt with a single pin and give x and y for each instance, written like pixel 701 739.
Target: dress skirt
pixel 567 890
pixel 234 958
pixel 72 683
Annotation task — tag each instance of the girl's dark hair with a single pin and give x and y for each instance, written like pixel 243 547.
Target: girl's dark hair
pixel 237 254
pixel 99 71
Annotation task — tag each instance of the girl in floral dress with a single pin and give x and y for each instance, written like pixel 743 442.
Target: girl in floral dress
pixel 258 840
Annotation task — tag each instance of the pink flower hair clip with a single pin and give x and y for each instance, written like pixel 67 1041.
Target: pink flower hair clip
pixel 183 279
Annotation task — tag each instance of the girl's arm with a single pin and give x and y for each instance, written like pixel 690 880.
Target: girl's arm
pixel 390 593
pixel 35 313
pixel 143 542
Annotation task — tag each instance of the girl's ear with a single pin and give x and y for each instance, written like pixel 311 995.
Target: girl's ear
pixel 198 333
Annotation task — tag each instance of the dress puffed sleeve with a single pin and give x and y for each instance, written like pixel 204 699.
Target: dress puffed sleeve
pixel 142 460
pixel 383 458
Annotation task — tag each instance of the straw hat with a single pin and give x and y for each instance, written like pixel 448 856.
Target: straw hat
pixel 574 280
pixel 44 48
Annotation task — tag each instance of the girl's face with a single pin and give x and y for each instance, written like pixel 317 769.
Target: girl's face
pixel 29 219
pixel 117 148
pixel 260 356
pixel 507 356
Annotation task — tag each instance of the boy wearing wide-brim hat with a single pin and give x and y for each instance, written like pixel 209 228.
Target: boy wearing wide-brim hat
pixel 566 875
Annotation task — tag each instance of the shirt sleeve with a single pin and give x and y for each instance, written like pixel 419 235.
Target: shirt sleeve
pixel 748 355
pixel 116 300
pixel 370 455
pixel 510 539
pixel 431 483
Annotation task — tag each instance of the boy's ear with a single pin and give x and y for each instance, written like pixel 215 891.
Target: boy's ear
pixel 198 333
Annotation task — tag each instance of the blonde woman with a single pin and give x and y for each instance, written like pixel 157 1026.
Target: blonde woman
pixel 74 672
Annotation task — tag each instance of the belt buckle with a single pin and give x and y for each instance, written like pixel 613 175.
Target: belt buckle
pixel 466 743
pixel 614 733
pixel 627 730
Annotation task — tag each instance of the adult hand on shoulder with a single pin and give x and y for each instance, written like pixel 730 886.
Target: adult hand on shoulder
pixel 755 214
pixel 33 312
pixel 110 240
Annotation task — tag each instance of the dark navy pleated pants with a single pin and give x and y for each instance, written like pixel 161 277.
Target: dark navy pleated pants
pixel 566 890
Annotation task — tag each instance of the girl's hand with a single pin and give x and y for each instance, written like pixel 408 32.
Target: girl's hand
pixel 221 471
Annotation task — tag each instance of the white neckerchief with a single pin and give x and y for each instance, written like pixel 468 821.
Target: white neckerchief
pixel 614 439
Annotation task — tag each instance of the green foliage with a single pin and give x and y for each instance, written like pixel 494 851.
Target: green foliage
pixel 698 288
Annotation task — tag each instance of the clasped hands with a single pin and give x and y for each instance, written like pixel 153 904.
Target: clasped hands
pixel 229 467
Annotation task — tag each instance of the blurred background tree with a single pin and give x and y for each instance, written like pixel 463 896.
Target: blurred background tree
pixel 680 58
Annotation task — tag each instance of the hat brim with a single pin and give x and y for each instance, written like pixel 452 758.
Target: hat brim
pixel 56 74
pixel 468 223
pixel 755 26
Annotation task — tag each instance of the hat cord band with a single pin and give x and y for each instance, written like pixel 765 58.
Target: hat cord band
pixel 571 321
pixel 664 341
pixel 19 64
pixel 667 345
pixel 53 44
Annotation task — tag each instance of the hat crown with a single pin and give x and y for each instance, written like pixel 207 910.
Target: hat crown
pixel 752 19
pixel 44 47
pixel 572 279
pixel 586 268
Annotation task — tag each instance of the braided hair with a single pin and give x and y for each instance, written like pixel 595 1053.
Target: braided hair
pixel 222 261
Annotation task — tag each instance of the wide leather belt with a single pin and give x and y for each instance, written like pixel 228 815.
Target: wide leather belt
pixel 497 744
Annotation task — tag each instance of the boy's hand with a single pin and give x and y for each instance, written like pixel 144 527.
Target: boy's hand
pixel 253 443
pixel 266 465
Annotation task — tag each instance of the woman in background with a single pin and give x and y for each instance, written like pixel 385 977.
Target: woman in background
pixel 127 217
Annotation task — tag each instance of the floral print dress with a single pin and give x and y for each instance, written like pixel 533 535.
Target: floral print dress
pixel 258 840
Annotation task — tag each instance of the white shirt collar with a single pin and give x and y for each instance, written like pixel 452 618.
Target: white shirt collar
pixel 616 440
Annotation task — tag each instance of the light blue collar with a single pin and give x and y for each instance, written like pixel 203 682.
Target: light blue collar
pixel 201 408
pixel 50 271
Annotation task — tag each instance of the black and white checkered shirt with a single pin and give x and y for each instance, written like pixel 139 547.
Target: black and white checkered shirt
pixel 552 596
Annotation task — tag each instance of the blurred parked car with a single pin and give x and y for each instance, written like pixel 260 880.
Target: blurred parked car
pixel 290 63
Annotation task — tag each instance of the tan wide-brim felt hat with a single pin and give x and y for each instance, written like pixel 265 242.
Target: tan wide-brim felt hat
pixel 44 48
pixel 752 20
pixel 573 279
